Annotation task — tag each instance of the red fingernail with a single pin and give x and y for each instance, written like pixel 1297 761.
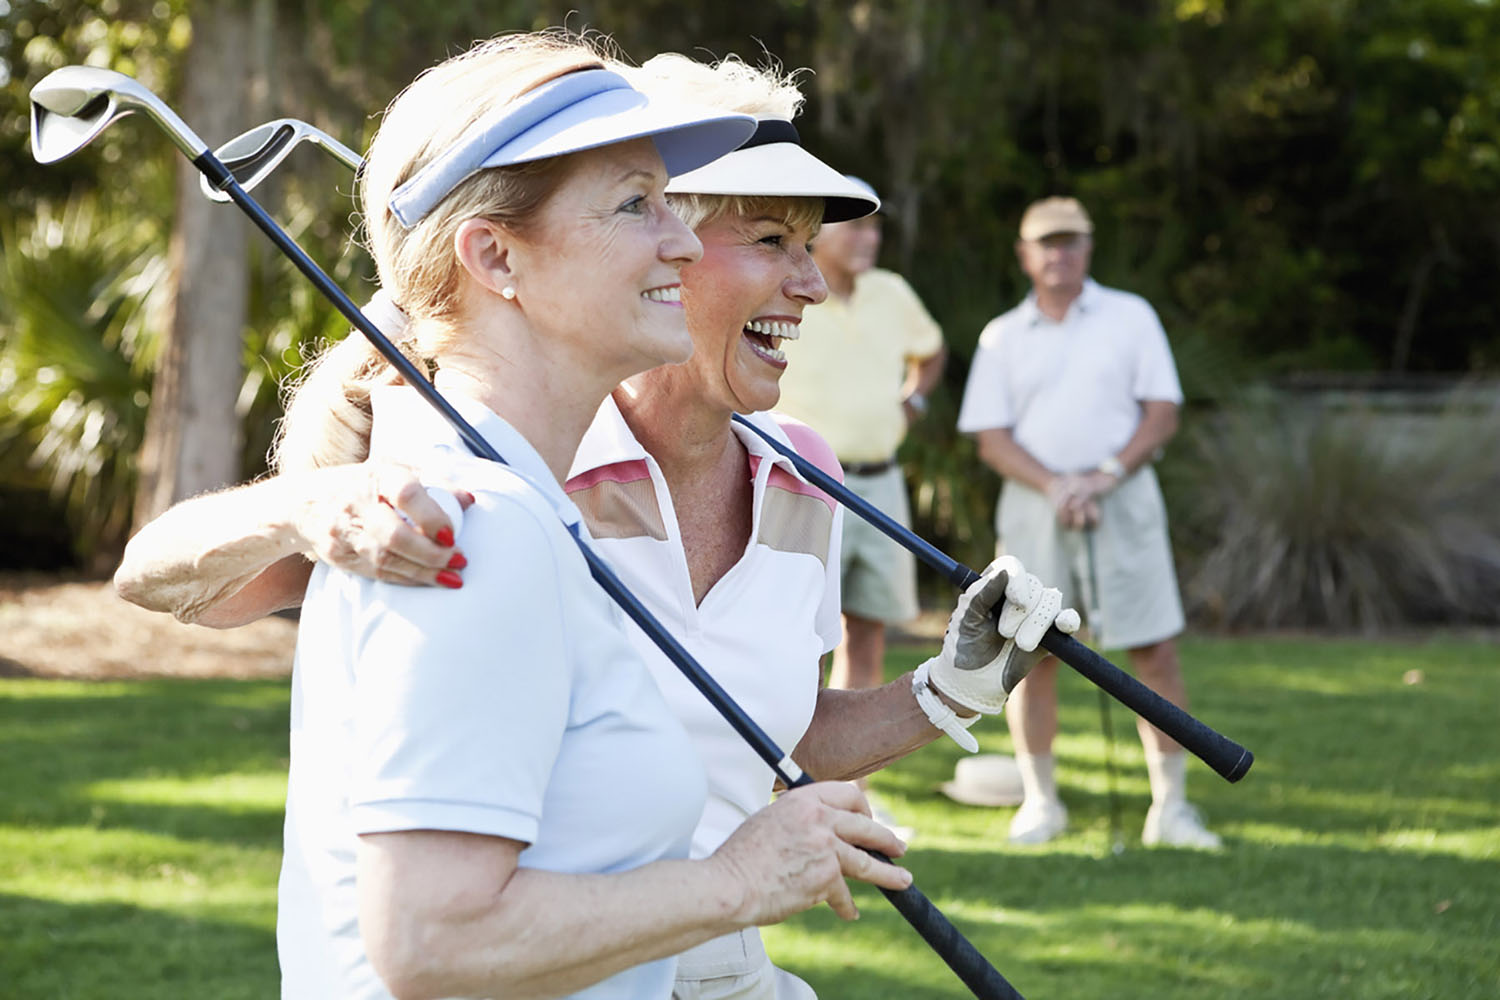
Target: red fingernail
pixel 458 561
pixel 450 579
pixel 465 498
pixel 444 537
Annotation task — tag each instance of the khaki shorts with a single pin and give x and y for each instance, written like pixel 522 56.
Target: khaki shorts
pixel 878 577
pixel 1137 602
pixel 735 967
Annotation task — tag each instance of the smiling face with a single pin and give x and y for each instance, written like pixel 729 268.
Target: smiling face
pixel 745 297
pixel 599 267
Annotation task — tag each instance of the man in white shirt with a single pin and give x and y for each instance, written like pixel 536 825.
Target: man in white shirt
pixel 1071 395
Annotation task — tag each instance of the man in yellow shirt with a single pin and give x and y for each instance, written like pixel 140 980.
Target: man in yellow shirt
pixel 859 374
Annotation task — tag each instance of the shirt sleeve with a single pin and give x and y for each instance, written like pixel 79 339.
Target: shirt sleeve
pixel 987 402
pixel 810 445
pixel 1156 372
pixel 829 622
pixel 924 337
pixel 461 696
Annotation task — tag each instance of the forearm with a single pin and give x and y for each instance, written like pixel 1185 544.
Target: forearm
pixel 536 933
pixel 854 733
pixel 198 560
pixel 998 449
pixel 1158 426
pixel 923 376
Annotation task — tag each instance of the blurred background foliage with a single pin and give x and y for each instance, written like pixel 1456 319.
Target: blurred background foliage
pixel 1298 186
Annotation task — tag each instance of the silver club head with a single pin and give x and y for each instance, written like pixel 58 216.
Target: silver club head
pixel 252 156
pixel 72 105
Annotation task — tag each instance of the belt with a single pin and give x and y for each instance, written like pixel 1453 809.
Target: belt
pixel 867 468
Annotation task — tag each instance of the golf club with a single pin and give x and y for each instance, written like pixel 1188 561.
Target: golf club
pixel 1095 615
pixel 72 105
pixel 1225 756
pixel 252 156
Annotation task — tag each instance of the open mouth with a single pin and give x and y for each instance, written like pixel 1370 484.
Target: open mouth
pixel 765 337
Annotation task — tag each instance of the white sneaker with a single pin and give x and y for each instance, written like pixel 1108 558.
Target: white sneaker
pixel 1038 821
pixel 1177 824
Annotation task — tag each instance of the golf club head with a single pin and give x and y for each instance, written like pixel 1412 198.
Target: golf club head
pixel 254 155
pixel 72 105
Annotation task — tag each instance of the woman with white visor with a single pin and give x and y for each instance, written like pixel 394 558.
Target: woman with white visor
pixel 715 532
pixel 488 795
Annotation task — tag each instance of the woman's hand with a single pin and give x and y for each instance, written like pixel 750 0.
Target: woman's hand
pixel 376 519
pixel 982 659
pixel 796 853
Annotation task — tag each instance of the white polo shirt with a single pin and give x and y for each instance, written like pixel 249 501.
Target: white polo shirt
pixel 514 707
pixel 1070 391
pixel 762 628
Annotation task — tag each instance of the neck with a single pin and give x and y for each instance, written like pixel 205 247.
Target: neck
pixel 550 401
pixel 688 437
pixel 1055 302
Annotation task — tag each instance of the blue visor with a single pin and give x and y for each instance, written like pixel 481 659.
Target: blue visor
pixel 582 110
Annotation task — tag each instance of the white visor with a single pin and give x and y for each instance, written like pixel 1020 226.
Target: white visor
pixel 575 112
pixel 773 164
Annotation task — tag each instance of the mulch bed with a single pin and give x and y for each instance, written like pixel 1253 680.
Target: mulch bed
pixel 67 627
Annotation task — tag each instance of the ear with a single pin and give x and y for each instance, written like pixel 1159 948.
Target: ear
pixel 483 248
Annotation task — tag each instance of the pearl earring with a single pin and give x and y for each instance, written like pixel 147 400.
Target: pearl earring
pixel 508 293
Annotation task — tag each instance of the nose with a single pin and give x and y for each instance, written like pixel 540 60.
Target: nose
pixel 806 284
pixel 678 244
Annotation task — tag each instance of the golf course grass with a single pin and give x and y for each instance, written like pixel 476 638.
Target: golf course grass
pixel 140 828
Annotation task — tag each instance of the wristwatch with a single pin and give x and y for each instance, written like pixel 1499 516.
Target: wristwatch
pixel 1112 466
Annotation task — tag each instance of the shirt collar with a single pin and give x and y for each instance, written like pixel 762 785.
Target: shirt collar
pixel 757 446
pixel 607 441
pixel 409 429
pixel 1085 303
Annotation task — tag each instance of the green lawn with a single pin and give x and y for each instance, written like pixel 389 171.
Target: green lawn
pixel 140 825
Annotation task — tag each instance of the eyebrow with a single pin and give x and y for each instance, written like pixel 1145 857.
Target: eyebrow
pixel 635 172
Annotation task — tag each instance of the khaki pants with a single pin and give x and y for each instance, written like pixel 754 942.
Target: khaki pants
pixel 735 967
pixel 879 577
pixel 1138 601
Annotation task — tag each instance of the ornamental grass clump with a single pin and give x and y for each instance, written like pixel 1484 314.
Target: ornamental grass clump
pixel 1312 515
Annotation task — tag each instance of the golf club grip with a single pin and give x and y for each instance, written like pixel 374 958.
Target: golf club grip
pixel 1218 751
pixel 982 978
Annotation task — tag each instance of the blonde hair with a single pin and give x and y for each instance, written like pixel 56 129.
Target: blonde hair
pixel 327 419
pixel 730 84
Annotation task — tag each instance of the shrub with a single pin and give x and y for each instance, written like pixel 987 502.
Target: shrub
pixel 75 352
pixel 1298 514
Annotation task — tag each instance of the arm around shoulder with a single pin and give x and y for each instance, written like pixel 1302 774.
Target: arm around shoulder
pixel 226 559
pixel 198 556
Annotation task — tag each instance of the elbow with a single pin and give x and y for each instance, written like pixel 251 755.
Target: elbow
pixel 992 455
pixel 406 962
pixel 133 585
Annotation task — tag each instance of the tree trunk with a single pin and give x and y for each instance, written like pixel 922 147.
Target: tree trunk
pixel 193 440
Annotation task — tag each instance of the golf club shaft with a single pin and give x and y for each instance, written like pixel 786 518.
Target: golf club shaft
pixel 1096 623
pixel 1225 756
pixel 952 947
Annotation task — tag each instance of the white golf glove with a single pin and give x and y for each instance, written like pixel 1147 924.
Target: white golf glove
pixel 982 662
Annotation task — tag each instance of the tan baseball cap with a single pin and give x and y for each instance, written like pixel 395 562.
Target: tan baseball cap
pixel 1054 215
